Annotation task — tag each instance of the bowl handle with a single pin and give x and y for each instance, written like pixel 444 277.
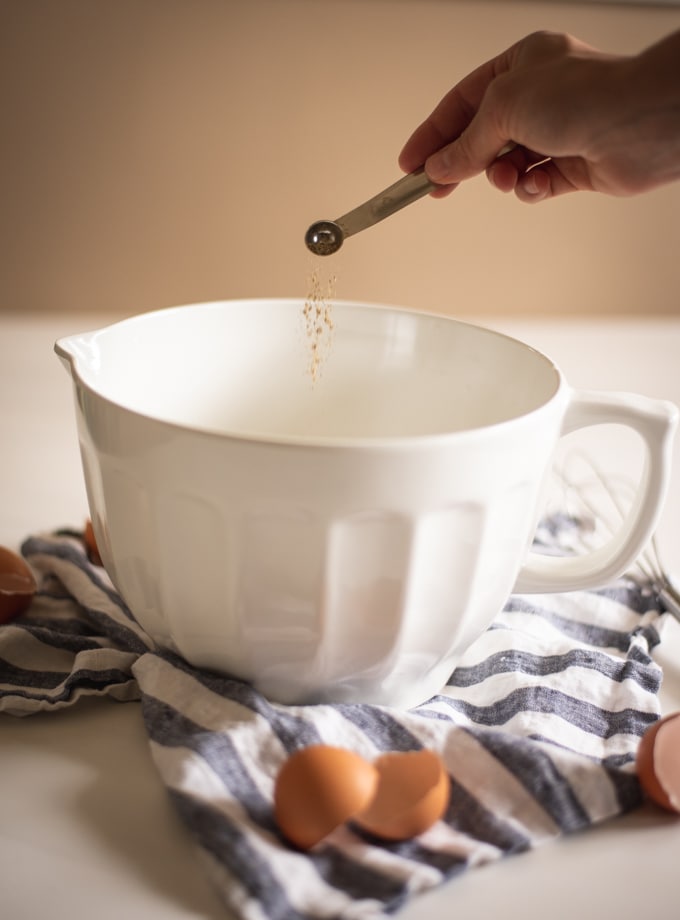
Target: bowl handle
pixel 655 421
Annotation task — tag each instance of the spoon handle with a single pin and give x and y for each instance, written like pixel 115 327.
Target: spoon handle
pixel 405 191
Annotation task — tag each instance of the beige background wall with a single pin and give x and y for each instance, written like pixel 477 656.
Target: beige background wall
pixel 157 152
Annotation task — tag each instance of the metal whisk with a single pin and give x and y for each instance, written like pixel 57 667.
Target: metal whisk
pixel 649 567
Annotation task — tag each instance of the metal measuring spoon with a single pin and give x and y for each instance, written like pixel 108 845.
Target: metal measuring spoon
pixel 327 236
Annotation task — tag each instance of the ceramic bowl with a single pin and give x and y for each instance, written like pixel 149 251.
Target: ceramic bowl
pixel 332 512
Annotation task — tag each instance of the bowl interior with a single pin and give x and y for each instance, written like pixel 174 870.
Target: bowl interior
pixel 250 368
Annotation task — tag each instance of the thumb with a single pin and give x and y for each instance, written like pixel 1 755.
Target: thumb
pixel 470 154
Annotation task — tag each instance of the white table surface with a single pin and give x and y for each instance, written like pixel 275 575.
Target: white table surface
pixel 85 827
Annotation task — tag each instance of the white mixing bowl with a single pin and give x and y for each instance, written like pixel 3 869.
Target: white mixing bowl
pixel 340 538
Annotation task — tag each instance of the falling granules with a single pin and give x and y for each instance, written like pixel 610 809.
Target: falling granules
pixel 318 320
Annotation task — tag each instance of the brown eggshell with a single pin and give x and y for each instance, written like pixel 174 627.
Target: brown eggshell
pixel 413 793
pixel 319 788
pixel 658 762
pixel 17 585
pixel 91 544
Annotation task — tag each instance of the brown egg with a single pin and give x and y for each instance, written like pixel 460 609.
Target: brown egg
pixel 90 542
pixel 396 797
pixel 318 789
pixel 17 585
pixel 413 793
pixel 658 762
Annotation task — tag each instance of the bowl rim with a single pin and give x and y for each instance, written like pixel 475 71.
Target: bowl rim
pixel 63 347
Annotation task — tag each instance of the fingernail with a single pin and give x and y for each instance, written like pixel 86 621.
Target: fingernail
pixel 531 185
pixel 437 166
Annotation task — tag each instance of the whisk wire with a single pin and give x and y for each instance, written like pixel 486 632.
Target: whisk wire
pixel 578 500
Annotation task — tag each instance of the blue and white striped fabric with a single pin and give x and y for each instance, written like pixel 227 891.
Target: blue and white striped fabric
pixel 538 727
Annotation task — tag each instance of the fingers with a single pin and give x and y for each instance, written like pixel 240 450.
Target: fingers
pixel 503 175
pixel 530 187
pixel 534 186
pixel 424 141
pixel 544 181
pixel 451 116
pixel 533 177
pixel 505 172
pixel 481 142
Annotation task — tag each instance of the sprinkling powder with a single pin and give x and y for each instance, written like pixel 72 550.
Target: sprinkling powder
pixel 318 320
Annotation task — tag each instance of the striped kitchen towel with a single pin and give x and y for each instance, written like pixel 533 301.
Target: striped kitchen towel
pixel 538 727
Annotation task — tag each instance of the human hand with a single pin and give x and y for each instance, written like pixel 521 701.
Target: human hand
pixel 576 118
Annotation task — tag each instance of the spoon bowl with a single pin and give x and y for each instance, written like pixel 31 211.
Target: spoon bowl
pixel 324 238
